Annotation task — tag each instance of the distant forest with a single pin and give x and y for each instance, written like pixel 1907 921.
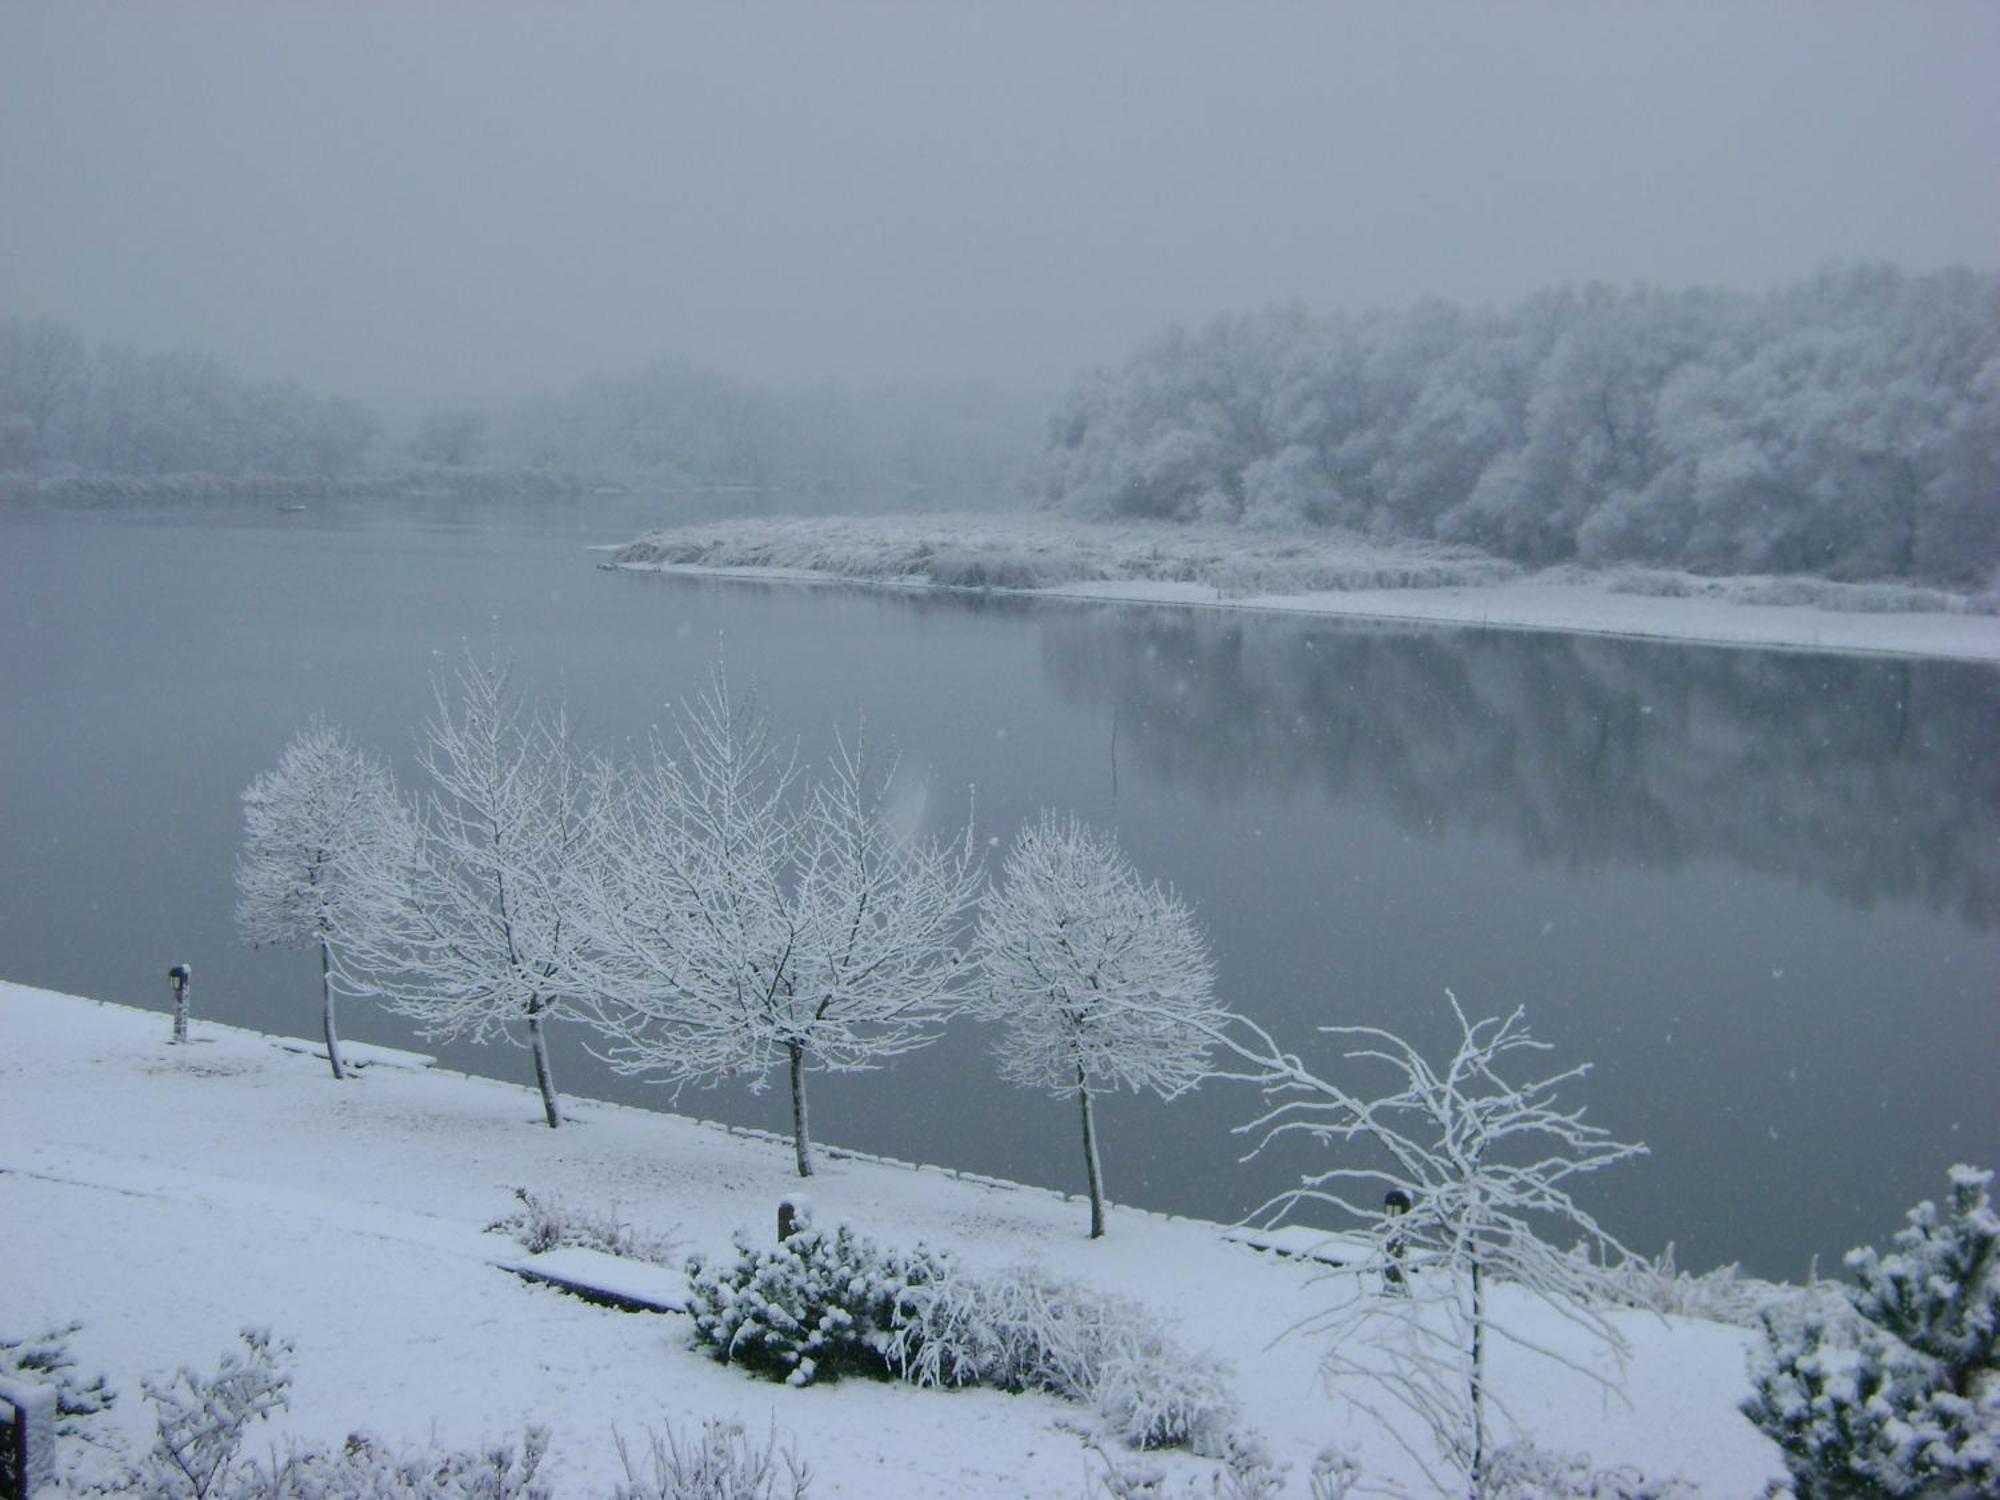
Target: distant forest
pixel 1847 426
pixel 70 415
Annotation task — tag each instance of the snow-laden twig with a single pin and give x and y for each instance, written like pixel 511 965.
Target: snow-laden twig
pixel 1471 1174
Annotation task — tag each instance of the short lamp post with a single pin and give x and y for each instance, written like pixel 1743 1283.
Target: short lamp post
pixel 1395 1203
pixel 181 979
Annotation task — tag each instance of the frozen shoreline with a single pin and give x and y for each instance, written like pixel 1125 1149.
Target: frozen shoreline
pixel 1414 585
pixel 234 1183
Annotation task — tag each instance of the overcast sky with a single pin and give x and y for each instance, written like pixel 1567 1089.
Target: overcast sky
pixel 419 199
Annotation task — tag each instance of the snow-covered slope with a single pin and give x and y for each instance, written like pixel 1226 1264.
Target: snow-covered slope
pixel 167 1196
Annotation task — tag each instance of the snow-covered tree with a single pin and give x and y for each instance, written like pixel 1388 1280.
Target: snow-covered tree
pixel 738 926
pixel 1905 1399
pixel 1840 425
pixel 1100 978
pixel 1483 1164
pixel 325 809
pixel 471 930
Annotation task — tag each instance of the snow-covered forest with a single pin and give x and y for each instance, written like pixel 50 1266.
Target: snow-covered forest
pixel 65 407
pixel 1847 425
pixel 69 413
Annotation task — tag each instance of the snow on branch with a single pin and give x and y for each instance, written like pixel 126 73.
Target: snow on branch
pixel 1463 1177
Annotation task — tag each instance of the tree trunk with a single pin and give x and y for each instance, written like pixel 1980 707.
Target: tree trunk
pixel 539 1044
pixel 1091 1166
pixel 801 1138
pixel 1478 1389
pixel 326 1011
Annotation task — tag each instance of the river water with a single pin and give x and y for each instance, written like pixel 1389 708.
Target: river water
pixel 1761 891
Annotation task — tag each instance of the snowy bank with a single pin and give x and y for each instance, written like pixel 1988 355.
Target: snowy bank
pixel 1324 574
pixel 167 1196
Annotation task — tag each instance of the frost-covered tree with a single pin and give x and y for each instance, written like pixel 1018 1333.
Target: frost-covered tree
pixel 471 930
pixel 1484 1163
pixel 737 925
pixel 44 375
pixel 1904 1399
pixel 326 808
pixel 1840 425
pixel 1100 978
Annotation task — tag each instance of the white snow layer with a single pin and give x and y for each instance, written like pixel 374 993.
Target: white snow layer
pixel 168 1196
pixel 1324 573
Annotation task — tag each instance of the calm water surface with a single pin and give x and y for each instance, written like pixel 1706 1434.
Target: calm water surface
pixel 1758 889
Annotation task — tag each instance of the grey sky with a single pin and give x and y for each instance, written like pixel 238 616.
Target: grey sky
pixel 415 199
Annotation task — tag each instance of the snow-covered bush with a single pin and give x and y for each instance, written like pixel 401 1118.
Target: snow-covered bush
pixel 46 1360
pixel 1521 1471
pixel 546 1222
pixel 364 1468
pixel 815 1307
pixel 1723 1295
pixel 718 1463
pixel 1246 1472
pixel 201 1418
pixel 200 1425
pixel 1025 1330
pixel 1906 1400
pixel 821 1305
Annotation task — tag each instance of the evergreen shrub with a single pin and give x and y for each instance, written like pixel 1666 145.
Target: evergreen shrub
pixel 1903 1398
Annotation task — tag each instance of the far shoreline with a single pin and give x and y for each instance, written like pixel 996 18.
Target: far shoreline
pixel 892 552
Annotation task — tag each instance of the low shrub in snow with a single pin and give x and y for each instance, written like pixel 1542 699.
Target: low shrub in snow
pixel 1247 1472
pixel 364 1468
pixel 1025 1330
pixel 1521 1471
pixel 820 1305
pixel 201 1421
pixel 201 1418
pixel 1904 1398
pixel 545 1222
pixel 1723 1295
pixel 814 1307
pixel 46 1361
pixel 718 1463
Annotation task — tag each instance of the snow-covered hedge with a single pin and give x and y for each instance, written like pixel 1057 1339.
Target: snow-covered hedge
pixel 821 1304
pixel 1024 1329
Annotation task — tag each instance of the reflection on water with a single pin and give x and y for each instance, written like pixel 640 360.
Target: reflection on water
pixel 1875 779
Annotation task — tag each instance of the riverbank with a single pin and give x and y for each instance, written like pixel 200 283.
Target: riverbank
pixel 1321 574
pixel 167 1196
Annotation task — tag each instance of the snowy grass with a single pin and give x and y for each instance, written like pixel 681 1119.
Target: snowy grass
pixel 1031 551
pixel 1326 573
pixel 545 1222
pixel 166 1196
pixel 1724 1295
pixel 1796 593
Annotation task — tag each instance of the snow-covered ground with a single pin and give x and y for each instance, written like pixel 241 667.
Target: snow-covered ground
pixel 167 1196
pixel 1233 568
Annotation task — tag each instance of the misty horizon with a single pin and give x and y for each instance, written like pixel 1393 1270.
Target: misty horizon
pixel 489 202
